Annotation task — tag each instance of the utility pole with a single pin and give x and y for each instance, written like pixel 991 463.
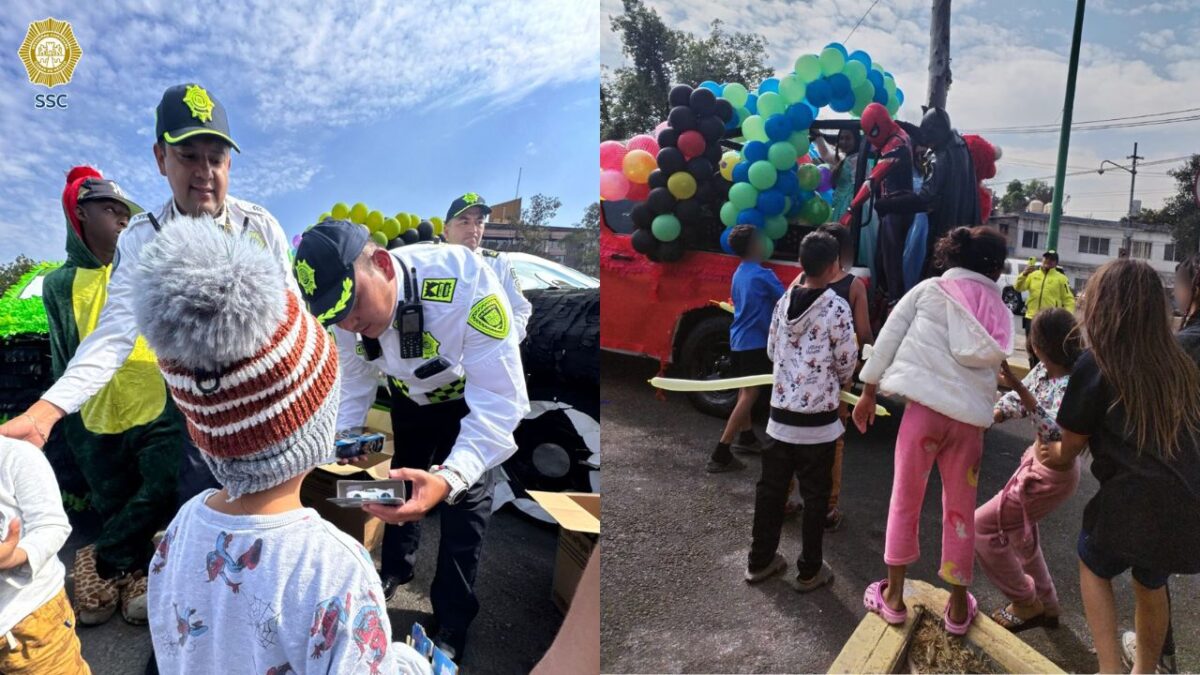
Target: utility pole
pixel 1064 136
pixel 519 170
pixel 939 54
pixel 1127 240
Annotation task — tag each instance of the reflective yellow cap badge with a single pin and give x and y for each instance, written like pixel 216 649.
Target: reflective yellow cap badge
pixel 198 102
pixel 306 277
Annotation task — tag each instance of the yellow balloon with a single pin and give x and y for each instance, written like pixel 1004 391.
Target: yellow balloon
pixel 438 226
pixel 340 211
pixel 358 213
pixel 682 185
pixel 390 228
pixel 729 160
pixel 374 220
pixel 323 217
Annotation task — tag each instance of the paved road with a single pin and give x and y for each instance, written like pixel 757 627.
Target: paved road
pixel 516 624
pixel 676 540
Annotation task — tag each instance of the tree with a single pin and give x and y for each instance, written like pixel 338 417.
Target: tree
pixel 1180 210
pixel 1039 190
pixel 11 272
pixel 532 231
pixel 583 245
pixel 1018 195
pixel 633 99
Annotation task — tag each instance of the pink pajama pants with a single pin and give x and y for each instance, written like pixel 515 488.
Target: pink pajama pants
pixel 1006 531
pixel 927 437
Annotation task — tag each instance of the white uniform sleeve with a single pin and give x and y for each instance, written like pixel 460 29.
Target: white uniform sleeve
pixel 278 243
pixel 44 525
pixel 360 380
pixel 106 348
pixel 522 310
pixel 495 392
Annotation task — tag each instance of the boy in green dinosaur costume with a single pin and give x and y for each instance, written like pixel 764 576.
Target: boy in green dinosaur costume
pixel 126 439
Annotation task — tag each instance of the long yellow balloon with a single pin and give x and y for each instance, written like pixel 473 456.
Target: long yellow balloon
pixel 677 384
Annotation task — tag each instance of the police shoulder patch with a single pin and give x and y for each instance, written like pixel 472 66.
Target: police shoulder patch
pixel 438 290
pixel 489 317
pixel 489 253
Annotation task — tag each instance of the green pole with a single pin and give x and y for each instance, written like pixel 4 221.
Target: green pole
pixel 1064 136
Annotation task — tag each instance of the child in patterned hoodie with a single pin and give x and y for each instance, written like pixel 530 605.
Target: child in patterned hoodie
pixel 246 580
pixel 811 342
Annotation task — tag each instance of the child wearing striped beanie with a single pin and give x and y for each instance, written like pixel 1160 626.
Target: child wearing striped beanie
pixel 245 577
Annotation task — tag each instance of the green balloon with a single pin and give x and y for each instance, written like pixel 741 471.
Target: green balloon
pixel 792 89
pixel 736 94
pixel 832 61
pixel 379 238
pixel 808 68
pixel 856 72
pixel 893 105
pixel 787 205
pixel 743 114
pixel 889 85
pixel 799 139
pixel 877 66
pixel 809 177
pixel 768 247
pixel 729 211
pixel 754 128
pixel 763 175
pixel 776 227
pixel 815 211
pixel 665 227
pixel 782 155
pixel 743 196
pixel 770 104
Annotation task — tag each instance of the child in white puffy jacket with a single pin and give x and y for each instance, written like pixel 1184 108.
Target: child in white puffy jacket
pixel 940 349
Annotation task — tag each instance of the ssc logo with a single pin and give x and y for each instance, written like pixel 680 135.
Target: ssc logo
pixel 438 290
pixel 50 52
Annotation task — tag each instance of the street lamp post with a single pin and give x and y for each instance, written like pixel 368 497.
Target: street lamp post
pixel 1132 170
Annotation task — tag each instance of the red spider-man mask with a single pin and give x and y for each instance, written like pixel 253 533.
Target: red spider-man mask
pixel 877 125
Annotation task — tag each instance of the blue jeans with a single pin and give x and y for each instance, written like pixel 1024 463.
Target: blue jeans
pixel 1107 565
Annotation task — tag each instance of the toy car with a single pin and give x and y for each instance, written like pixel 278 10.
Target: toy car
pixel 371 493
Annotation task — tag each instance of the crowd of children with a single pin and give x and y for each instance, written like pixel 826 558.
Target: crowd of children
pixel 1119 384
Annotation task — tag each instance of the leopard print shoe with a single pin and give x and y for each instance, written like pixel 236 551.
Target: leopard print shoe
pixel 134 601
pixel 96 599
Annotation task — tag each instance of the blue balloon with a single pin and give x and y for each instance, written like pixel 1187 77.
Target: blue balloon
pixel 800 115
pixel 876 78
pixel 733 123
pixel 840 47
pixel 769 84
pixel 771 202
pixel 711 86
pixel 741 172
pixel 778 128
pixel 805 195
pixel 752 103
pixel 751 217
pixel 819 93
pixel 900 95
pixel 839 85
pixel 754 151
pixel 887 74
pixel 786 182
pixel 725 240
pixel 881 95
pixel 843 103
pixel 860 56
pixel 793 212
pixel 827 196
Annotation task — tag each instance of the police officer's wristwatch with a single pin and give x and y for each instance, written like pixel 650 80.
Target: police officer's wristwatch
pixel 458 484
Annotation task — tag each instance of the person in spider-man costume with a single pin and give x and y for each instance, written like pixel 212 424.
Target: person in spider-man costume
pixel 891 178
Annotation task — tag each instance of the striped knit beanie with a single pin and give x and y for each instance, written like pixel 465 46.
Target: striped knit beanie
pixel 254 374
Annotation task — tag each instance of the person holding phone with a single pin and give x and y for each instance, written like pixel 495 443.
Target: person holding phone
pixel 437 322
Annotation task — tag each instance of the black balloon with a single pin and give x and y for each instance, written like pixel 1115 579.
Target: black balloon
pixel 657 179
pixel 703 101
pixel 670 251
pixel 425 230
pixel 681 94
pixel 705 192
pixel 724 110
pixel 713 153
pixel 660 201
pixel 711 127
pixel 395 243
pixel 688 211
pixel 642 216
pixel 667 138
pixel 681 118
pixel 410 236
pixel 644 242
pixel 671 160
pixel 700 168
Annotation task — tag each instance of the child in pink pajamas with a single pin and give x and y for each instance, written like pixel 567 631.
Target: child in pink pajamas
pixel 940 349
pixel 1006 531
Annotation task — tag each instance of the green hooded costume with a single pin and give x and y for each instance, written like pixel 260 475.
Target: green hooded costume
pixel 127 440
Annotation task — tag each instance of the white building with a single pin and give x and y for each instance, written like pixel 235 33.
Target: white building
pixel 1085 244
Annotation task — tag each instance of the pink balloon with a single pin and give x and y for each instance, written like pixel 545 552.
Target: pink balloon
pixel 643 142
pixel 613 185
pixel 661 125
pixel 691 144
pixel 638 192
pixel 612 153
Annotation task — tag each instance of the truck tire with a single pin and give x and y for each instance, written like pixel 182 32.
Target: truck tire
pixel 705 356
pixel 563 338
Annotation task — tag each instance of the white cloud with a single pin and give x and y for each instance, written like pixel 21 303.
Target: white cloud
pixel 531 149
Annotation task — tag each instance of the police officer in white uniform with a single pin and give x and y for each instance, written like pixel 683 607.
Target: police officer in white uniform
pixel 436 322
pixel 464 225
pixel 193 148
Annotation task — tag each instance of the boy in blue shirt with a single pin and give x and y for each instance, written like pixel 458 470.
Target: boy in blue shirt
pixel 754 292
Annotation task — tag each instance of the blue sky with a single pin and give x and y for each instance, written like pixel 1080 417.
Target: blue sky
pixel 400 105
pixel 1009 62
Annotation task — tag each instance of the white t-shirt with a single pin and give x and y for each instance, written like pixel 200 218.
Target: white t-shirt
pixel 247 594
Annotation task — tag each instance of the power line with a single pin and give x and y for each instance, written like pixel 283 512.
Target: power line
pixel 1055 125
pixel 860 20
pixel 1098 127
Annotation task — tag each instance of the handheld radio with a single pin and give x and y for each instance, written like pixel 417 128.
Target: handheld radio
pixel 410 318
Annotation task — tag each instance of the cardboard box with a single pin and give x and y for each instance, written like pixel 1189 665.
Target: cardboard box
pixel 578 515
pixel 321 483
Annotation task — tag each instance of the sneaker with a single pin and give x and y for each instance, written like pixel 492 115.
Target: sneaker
pixel 1166 663
pixel 734 464
pixel 96 599
pixel 133 600
pixel 452 642
pixel 833 520
pixel 822 577
pixel 777 565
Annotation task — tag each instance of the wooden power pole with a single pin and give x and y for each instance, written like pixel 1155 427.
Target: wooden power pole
pixel 939 54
